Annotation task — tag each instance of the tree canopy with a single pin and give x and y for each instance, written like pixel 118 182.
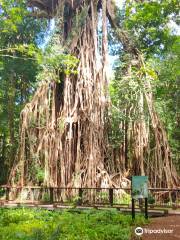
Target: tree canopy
pixel 80 128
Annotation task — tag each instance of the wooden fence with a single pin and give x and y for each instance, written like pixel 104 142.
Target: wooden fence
pixel 158 197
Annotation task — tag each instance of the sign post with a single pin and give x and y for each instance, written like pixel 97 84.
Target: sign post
pixel 146 208
pixel 139 190
pixel 133 208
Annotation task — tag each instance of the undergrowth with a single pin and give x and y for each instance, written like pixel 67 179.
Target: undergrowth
pixel 38 224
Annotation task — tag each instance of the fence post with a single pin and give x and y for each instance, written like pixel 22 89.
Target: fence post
pixel 7 193
pixel 111 196
pixel 80 196
pixel 51 195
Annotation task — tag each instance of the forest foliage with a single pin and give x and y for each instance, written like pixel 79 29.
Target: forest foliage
pixel 23 63
pixel 153 26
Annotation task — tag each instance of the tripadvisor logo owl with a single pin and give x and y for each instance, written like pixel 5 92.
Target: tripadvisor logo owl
pixel 139 231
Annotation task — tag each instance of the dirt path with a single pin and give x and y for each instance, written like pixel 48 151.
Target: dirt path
pixel 169 228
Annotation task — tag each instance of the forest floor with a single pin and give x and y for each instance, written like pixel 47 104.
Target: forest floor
pixel 170 223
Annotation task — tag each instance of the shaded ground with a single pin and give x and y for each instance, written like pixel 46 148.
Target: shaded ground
pixel 169 223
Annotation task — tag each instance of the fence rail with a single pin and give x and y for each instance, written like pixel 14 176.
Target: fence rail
pixel 161 197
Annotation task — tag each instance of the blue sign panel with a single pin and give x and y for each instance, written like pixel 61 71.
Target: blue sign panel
pixel 139 187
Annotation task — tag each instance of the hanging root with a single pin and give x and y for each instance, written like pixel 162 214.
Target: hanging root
pixel 145 138
pixel 63 131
